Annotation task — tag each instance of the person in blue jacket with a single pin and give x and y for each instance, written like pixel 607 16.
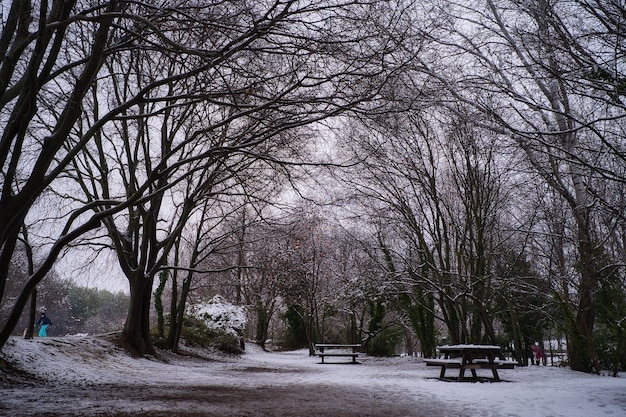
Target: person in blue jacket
pixel 44 322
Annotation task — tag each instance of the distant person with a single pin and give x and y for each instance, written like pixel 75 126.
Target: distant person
pixel 44 322
pixel 539 355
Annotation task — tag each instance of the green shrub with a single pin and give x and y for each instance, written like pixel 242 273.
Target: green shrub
pixel 295 333
pixel 610 349
pixel 196 333
pixel 385 342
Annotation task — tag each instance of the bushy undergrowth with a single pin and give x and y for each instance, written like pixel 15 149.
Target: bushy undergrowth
pixel 385 342
pixel 196 333
pixel 215 324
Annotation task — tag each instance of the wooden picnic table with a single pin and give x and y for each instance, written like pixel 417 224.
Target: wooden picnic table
pixel 346 350
pixel 472 357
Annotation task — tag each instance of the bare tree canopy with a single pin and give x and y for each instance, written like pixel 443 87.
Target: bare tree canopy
pixel 485 178
pixel 225 81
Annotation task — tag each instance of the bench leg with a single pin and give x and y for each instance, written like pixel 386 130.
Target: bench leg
pixel 496 377
pixel 442 374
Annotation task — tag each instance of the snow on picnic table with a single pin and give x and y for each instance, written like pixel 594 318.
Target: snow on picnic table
pixel 403 386
pixel 470 346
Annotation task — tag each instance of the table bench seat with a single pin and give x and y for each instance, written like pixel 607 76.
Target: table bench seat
pixel 500 364
pixel 353 355
pixel 448 363
pixel 507 364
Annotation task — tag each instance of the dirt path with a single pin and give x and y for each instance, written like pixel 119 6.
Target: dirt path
pixel 187 401
pixel 86 377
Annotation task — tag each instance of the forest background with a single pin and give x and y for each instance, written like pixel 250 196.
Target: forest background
pixel 372 171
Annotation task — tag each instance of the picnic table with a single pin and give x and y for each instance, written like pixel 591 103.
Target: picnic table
pixel 472 357
pixel 340 350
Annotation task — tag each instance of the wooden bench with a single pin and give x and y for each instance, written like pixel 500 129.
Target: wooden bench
pixel 507 364
pixel 500 363
pixel 445 364
pixel 321 348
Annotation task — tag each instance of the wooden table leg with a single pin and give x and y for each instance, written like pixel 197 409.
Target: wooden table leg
pixel 494 368
pixel 464 361
pixel 496 377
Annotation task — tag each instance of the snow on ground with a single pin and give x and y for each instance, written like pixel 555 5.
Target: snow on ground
pixel 92 376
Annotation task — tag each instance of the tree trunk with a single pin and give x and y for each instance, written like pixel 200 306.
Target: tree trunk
pixel 30 332
pixel 309 332
pixel 262 324
pixel 137 327
pixel 520 357
pixel 582 352
pixel 264 317
pixel 158 304
pixel 488 324
pixel 173 314
pixel 176 327
pixel 451 319
pixel 32 315
pixel 16 312
pixel 422 318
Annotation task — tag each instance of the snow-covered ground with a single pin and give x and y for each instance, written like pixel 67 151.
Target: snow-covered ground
pixel 91 376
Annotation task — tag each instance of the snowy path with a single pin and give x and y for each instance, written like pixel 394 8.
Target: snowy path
pixel 89 376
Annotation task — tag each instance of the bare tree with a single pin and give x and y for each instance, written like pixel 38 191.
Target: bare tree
pixel 195 247
pixel 438 185
pixel 526 68
pixel 260 272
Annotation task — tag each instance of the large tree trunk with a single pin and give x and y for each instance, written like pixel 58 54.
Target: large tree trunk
pixel 426 331
pixel 519 355
pixel 264 317
pixel 582 354
pixel 451 319
pixel 16 312
pixel 137 327
pixel 32 315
